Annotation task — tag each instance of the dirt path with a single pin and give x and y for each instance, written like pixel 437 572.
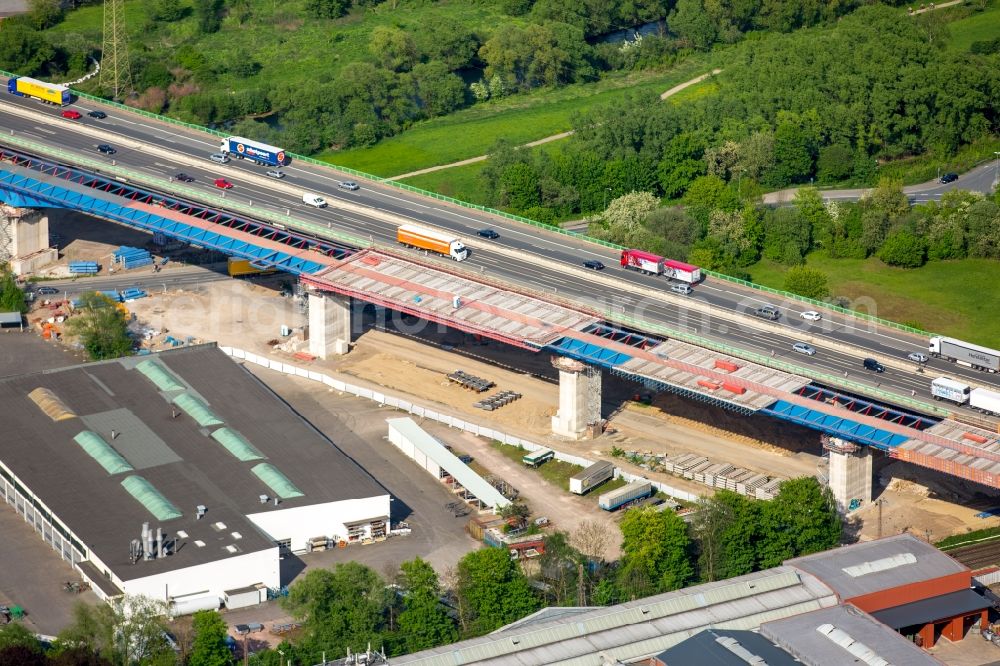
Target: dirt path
pixel 555 137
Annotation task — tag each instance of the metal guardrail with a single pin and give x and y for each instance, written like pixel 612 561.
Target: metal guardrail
pixel 509 216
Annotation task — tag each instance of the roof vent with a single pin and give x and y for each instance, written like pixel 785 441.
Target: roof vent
pixel 199 543
pixel 861 652
pixel 201 509
pixel 182 534
pixel 236 535
pixel 219 526
pixel 264 499
pixel 232 549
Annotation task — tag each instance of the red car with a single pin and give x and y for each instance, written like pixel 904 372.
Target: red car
pixel 71 114
pixel 223 183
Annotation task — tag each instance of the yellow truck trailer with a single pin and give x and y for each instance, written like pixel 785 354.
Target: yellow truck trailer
pixel 22 86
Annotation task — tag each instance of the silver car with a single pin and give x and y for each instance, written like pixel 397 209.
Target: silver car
pixel 917 357
pixel 219 158
pixel 276 173
pixel 803 348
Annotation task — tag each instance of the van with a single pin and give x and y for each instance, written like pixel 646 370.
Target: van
pixel 873 365
pixel 681 288
pixel 313 200
pixel 220 158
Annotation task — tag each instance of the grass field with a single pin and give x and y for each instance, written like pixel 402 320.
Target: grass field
pixel 978 27
pixel 943 296
pixel 461 182
pixel 521 119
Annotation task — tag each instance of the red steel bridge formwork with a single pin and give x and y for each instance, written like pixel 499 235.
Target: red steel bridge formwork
pixel 514 316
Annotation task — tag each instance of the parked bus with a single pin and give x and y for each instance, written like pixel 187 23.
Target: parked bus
pixel 536 458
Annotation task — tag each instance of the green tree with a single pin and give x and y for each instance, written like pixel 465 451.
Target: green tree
pixel 393 48
pixel 16 634
pixel 793 160
pixel 423 623
pixel 206 13
pixel 656 553
pixel 449 42
pixel 835 163
pixel 801 519
pixel 128 632
pixel 903 248
pixel 101 327
pixel 209 648
pixel 492 591
pixel 692 23
pixel 560 568
pixel 808 282
pixel 519 188
pixel 725 528
pixel 339 609
pixel 328 9
pixel 45 13
pixel 24 49
pixel 168 10
pixel 11 294
pixel 440 91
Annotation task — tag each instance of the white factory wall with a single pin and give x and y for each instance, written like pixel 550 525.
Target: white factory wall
pixel 418 456
pixel 299 524
pixel 209 579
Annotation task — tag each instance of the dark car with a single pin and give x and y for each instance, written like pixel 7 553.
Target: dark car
pixel 488 233
pixel 100 115
pixel 106 149
pixel 873 365
pixel 47 290
pixel 593 264
pixel 949 178
pixel 184 178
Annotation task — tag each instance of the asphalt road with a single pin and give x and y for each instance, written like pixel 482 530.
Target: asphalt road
pixel 536 250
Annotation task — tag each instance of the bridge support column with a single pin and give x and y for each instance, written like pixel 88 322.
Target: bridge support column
pixel 329 324
pixel 579 414
pixel 850 473
pixel 24 239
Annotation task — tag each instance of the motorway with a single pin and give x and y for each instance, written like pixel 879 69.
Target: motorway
pixel 533 258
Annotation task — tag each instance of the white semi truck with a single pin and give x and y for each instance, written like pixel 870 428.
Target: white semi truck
pixel 965 353
pixel 979 399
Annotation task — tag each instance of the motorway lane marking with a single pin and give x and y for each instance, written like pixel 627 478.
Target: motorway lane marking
pixel 158 129
pixel 42 129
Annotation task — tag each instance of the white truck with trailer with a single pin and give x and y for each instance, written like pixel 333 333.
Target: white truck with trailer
pixel 594 475
pixel 984 400
pixel 945 388
pixel 965 353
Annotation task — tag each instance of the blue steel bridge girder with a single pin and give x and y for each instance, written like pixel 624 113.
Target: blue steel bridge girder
pixel 866 407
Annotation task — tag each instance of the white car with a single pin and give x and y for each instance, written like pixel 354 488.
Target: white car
pixel 811 315
pixel 803 348
pixel 918 357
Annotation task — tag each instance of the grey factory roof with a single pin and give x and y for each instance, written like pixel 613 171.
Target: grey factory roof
pixel 843 635
pixel 717 647
pixel 447 461
pixel 936 608
pixel 166 463
pixel 641 628
pixel 877 565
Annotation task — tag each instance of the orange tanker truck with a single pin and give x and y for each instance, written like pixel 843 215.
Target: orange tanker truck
pixel 422 238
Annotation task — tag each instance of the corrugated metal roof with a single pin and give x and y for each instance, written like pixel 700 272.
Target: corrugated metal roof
pixel 640 628
pixel 157 374
pixel 101 451
pixel 236 444
pixel 196 409
pixel 10 318
pixel 835 567
pixel 151 498
pixel 279 484
pixel 447 461
pixel 801 637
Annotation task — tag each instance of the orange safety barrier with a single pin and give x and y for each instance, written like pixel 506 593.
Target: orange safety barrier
pixel 728 366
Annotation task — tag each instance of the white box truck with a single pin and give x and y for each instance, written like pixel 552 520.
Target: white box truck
pixel 945 388
pixel 594 475
pixel 985 401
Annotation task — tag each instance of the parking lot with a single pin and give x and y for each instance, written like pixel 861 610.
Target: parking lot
pixel 32 576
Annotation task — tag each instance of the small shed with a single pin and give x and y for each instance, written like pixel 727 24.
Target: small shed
pixel 11 319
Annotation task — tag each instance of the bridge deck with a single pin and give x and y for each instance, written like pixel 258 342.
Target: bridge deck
pixel 430 293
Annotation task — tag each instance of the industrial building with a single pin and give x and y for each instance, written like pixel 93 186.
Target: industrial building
pixel 842 606
pixel 178 475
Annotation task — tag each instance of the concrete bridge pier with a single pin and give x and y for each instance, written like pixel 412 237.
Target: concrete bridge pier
pixel 850 472
pixel 579 414
pixel 329 324
pixel 24 239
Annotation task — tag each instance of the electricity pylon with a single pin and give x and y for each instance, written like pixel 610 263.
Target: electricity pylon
pixel 116 73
